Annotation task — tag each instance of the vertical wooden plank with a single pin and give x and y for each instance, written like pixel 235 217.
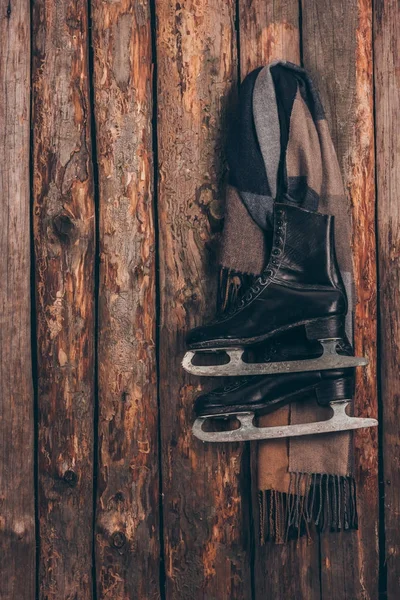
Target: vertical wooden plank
pixel 127 524
pixel 288 571
pixel 387 114
pixel 17 512
pixel 206 529
pixel 337 46
pixel 64 223
pixel 270 31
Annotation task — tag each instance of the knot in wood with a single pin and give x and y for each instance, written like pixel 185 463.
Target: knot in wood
pixel 73 22
pixel 71 478
pixel 215 216
pixel 64 227
pixel 118 539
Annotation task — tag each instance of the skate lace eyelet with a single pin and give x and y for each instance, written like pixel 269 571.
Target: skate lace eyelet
pixel 269 272
pixel 276 251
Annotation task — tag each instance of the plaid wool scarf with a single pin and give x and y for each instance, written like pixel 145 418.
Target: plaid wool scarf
pixel 280 149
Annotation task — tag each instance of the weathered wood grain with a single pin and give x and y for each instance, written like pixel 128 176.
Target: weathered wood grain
pixel 64 224
pixel 17 512
pixel 127 523
pixel 270 31
pixel 206 529
pixel 337 47
pixel 289 571
pixel 387 114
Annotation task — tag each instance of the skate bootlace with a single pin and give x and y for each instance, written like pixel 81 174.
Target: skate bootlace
pixel 273 265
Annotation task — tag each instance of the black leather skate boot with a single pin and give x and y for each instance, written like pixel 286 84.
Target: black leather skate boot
pixel 256 396
pixel 300 291
pixel 263 395
pixel 300 287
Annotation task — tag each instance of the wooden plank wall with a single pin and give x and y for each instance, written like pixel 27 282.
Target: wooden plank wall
pixel 17 509
pixel 112 191
pixel 387 115
pixel 64 259
pixel 206 527
pixel 127 519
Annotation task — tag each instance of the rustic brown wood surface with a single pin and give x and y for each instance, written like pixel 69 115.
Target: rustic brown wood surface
pixel 17 511
pixel 172 520
pixel 337 50
pixel 127 523
pixel 206 529
pixel 64 225
pixel 269 31
pixel 387 80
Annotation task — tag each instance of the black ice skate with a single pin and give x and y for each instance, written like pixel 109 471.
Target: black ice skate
pixel 248 398
pixel 300 289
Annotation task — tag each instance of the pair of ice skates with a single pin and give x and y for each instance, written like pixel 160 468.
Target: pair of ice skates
pixel 287 333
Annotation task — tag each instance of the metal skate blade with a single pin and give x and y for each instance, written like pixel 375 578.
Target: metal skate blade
pixel 340 421
pixel 329 359
pixel 235 362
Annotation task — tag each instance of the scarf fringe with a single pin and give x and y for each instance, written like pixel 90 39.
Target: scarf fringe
pixel 326 502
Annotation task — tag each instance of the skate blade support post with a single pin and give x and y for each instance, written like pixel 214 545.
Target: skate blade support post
pixel 329 359
pixel 247 431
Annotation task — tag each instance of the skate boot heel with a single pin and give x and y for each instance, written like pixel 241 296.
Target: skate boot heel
pixel 327 328
pixel 332 390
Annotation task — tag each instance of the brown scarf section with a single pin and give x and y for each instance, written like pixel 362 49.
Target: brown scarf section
pixel 303 483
